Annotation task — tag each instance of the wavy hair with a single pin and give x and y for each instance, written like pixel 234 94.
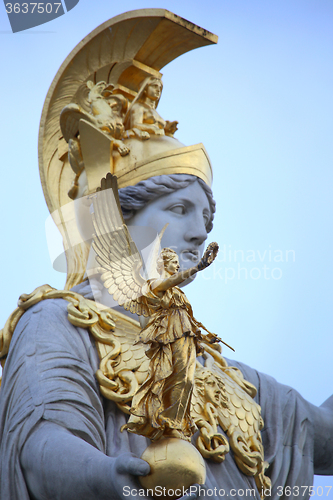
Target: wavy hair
pixel 134 198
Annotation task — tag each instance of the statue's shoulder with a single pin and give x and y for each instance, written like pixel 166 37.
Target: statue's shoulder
pixel 55 307
pixel 46 315
pixel 45 308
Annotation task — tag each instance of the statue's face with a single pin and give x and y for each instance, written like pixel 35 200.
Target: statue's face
pixel 187 211
pixel 212 390
pixel 172 266
pixel 154 90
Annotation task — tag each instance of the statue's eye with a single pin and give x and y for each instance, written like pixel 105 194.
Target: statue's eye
pixel 178 209
pixel 206 217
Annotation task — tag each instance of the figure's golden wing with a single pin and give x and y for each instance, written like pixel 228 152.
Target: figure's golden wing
pixel 123 51
pixel 116 252
pixel 131 356
pixel 124 364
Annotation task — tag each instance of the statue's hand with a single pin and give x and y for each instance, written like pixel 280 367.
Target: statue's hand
pixel 170 127
pixel 212 338
pixel 209 256
pixel 125 467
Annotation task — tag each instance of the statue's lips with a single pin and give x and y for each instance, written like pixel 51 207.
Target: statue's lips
pixel 188 254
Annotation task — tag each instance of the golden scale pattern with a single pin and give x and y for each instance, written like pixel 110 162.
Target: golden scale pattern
pixel 124 367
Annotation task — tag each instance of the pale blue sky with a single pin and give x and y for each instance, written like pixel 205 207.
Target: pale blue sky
pixel 261 102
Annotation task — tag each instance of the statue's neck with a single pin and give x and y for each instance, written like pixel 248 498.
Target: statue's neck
pixel 150 103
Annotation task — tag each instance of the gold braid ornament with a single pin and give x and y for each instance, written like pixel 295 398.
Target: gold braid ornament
pixel 106 94
pixel 221 395
pixel 172 333
pixel 123 366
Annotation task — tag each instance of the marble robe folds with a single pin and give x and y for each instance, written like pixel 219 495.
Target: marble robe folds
pixel 49 375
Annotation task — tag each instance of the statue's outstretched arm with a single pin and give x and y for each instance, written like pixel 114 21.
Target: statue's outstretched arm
pixel 323 437
pixel 176 279
pixel 57 464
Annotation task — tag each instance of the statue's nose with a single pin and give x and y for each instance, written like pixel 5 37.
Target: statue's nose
pixel 196 230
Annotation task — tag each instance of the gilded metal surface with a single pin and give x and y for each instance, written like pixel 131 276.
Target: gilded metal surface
pixel 146 159
pixel 162 404
pixel 121 53
pixel 123 365
pixel 142 114
pixel 174 465
pixel 107 92
pixel 102 119
pixel 124 50
pixel 221 396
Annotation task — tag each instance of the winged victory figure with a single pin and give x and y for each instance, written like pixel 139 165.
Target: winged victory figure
pixel 161 406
